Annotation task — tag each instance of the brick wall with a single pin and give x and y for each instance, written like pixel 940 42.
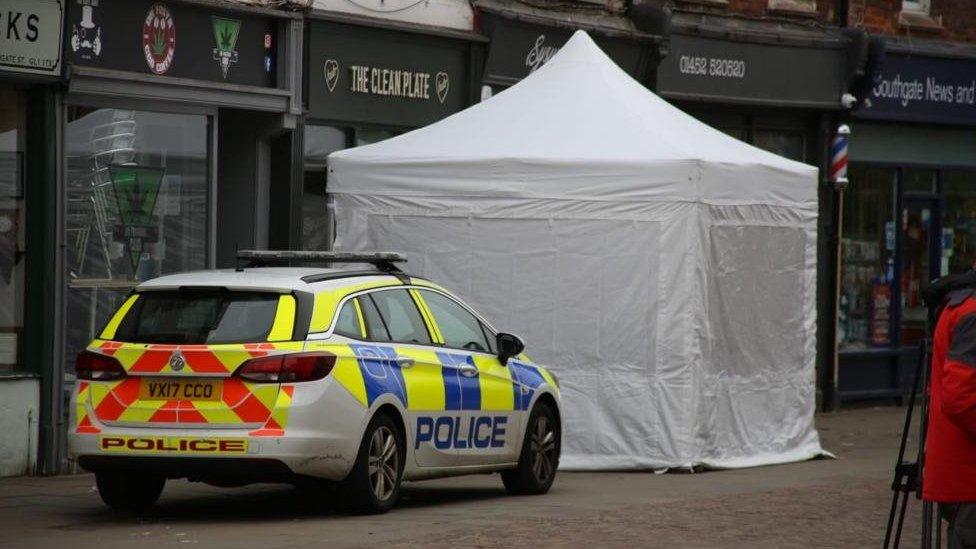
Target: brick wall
pixel 952 20
pixel 767 9
pixel 955 19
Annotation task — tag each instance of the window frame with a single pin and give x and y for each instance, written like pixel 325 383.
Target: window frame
pixel 488 335
pixel 916 6
pixel 490 331
pixel 328 333
pixel 386 322
pixel 360 321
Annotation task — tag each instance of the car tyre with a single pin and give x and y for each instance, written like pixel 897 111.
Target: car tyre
pixel 373 485
pixel 129 492
pixel 539 458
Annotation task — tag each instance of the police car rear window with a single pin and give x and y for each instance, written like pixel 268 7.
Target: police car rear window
pixel 199 317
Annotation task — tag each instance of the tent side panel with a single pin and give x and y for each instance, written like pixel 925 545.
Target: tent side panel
pixel 758 395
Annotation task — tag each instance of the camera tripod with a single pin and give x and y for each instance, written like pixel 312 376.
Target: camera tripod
pixel 908 474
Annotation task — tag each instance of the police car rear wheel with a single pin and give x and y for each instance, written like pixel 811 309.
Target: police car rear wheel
pixel 537 464
pixel 129 492
pixel 374 483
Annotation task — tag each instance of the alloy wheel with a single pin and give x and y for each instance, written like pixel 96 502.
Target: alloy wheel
pixel 384 463
pixel 543 448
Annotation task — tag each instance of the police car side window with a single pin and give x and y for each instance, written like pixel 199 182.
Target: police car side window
pixel 460 328
pixel 347 324
pixel 375 326
pixel 401 316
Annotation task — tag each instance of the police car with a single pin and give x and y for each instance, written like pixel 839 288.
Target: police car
pixel 356 374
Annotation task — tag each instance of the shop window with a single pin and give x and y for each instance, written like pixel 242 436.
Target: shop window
pixel 137 206
pixel 320 141
pixel 741 134
pixel 959 221
pixel 919 6
pixel 802 6
pixel 867 259
pixel 919 242
pixel 12 226
pixel 918 181
pixel 785 143
pixel 368 136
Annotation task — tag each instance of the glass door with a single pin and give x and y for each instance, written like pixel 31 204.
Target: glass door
pixel 921 252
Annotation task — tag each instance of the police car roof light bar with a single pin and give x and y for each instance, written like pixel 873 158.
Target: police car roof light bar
pixel 384 261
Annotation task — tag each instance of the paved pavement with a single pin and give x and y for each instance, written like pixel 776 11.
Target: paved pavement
pixel 825 503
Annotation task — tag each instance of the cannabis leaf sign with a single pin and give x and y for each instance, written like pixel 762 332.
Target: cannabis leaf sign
pixel 159 42
pixel 136 189
pixel 226 32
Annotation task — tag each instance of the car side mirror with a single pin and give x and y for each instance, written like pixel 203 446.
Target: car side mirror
pixel 509 345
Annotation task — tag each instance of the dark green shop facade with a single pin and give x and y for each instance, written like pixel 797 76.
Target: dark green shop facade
pixel 367 80
pixel 31 72
pixel 909 215
pixel 137 138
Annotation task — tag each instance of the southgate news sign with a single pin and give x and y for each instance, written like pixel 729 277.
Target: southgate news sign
pixel 916 88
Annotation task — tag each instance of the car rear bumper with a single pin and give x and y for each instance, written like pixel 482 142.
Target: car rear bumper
pixel 208 469
pixel 320 440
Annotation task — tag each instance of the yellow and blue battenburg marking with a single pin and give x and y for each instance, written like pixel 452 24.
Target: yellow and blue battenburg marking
pixel 460 392
pixel 381 372
pixel 529 377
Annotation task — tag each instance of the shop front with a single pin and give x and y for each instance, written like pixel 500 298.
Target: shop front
pixel 909 213
pixel 30 76
pixel 178 146
pixel 779 88
pixel 523 39
pixel 367 81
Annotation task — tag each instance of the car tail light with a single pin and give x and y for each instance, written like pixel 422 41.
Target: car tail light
pixel 287 368
pixel 96 367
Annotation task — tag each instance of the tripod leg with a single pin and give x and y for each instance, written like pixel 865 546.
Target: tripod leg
pixel 900 475
pixel 891 518
pixel 927 525
pixel 901 518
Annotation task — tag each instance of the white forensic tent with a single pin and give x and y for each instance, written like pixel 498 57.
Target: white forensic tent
pixel 663 270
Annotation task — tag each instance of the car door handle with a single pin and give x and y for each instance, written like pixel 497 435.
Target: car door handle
pixel 468 370
pixel 406 362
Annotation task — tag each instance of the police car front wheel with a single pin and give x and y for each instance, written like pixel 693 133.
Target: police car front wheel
pixel 537 463
pixel 129 492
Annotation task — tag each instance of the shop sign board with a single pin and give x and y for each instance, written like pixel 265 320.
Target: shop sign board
pixel 30 36
pixel 714 69
pixel 378 76
pixel 518 49
pixel 917 88
pixel 172 39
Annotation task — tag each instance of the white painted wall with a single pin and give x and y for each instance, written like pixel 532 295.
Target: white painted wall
pixel 19 407
pixel 451 14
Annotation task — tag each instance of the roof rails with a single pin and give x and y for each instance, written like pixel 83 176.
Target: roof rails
pixel 383 261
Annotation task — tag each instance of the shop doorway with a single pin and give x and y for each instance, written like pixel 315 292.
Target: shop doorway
pixel 921 253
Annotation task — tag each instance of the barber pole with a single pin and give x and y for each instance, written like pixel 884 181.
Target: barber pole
pixel 838 157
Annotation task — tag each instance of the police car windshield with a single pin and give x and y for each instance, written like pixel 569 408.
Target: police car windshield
pixel 199 317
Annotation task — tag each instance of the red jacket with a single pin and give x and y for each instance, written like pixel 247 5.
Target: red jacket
pixel 950 449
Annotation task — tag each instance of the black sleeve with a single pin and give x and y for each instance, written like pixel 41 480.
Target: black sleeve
pixel 962 347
